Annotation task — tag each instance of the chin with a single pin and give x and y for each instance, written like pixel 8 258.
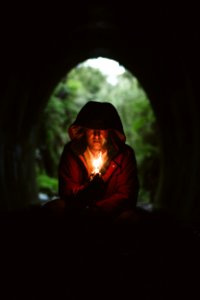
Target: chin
pixel 97 148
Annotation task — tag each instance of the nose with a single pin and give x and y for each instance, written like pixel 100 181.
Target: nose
pixel 97 133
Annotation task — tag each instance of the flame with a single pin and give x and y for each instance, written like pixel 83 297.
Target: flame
pixel 97 163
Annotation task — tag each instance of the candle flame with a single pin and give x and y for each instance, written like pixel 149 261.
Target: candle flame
pixel 97 163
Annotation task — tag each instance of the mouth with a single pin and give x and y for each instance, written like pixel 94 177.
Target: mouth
pixel 96 141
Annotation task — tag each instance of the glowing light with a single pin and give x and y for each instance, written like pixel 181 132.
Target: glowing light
pixel 97 163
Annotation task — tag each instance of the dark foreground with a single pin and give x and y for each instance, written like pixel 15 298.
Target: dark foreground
pixel 52 256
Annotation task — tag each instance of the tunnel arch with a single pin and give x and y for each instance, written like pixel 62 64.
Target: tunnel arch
pixel 155 80
pixel 146 145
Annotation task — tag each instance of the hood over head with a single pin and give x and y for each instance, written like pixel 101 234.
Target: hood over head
pixel 97 115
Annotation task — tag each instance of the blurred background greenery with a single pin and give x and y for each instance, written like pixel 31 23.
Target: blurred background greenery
pixel 80 85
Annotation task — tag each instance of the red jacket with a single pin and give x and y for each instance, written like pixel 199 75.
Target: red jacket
pixel 120 179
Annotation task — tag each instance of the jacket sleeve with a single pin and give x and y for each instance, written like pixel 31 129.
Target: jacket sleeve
pixel 74 184
pixel 70 181
pixel 126 185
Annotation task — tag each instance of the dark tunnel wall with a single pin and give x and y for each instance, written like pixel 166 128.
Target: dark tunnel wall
pixel 159 45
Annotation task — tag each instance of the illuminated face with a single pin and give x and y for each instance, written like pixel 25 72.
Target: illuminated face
pixel 96 139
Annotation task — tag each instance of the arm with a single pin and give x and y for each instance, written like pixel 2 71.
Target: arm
pixel 75 186
pixel 124 183
pixel 70 175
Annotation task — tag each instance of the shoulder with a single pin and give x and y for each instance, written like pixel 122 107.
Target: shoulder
pixel 67 148
pixel 127 155
pixel 128 150
pixel 68 157
pixel 67 151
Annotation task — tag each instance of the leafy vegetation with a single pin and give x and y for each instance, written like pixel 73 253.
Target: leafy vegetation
pixel 85 83
pixel 47 184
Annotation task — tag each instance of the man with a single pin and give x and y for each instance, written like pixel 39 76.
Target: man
pixel 97 169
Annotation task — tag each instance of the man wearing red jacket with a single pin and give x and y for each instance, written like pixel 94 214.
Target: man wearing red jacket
pixel 97 169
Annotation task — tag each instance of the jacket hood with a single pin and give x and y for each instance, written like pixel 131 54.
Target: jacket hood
pixel 97 115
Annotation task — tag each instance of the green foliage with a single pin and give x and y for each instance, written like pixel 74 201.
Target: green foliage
pixel 47 184
pixel 78 87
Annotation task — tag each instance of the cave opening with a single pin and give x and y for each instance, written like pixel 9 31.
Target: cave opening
pixel 99 79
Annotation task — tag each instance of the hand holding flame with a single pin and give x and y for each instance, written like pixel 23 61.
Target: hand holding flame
pixel 97 164
pixel 95 186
